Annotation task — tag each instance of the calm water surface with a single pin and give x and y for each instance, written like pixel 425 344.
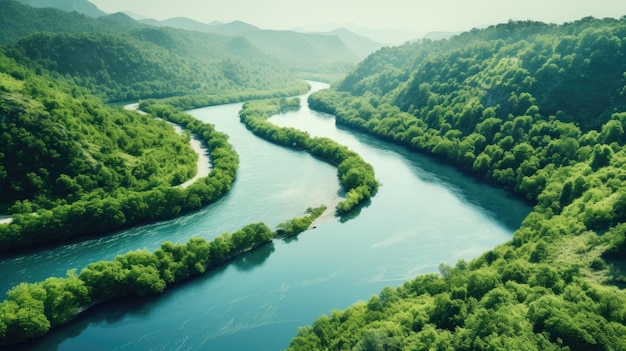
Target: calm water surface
pixel 424 214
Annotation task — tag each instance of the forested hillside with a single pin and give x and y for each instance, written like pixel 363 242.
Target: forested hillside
pixel 119 59
pixel 71 166
pixel 536 108
pixel 329 54
pixel 18 20
pixel 81 6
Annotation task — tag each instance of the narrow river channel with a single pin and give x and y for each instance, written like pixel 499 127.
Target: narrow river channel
pixel 425 213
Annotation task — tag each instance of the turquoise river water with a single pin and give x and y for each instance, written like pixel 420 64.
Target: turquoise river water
pixel 425 213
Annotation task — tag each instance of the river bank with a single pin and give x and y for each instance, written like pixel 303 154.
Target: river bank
pixel 203 164
pixel 425 214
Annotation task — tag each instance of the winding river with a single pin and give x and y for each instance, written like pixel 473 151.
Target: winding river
pixel 425 213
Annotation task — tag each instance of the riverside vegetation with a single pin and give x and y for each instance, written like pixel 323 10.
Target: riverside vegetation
pixel 74 167
pixel 356 176
pixel 536 108
pixel 30 310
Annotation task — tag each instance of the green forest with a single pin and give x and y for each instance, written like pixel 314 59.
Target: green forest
pixel 538 109
pixel 73 166
pixel 119 59
pixel 32 309
pixel 69 161
pixel 535 108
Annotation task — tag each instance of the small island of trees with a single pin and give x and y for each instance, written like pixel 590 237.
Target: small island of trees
pixel 357 177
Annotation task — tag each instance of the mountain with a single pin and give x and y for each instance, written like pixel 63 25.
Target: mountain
pixel 121 59
pixel 321 56
pixel 358 44
pixel 380 35
pixel 234 28
pixel 302 47
pixel 286 44
pixel 438 35
pixel 385 36
pixel 80 6
pixel 18 20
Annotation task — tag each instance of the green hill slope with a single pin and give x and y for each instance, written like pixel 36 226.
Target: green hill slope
pixel 80 6
pixel 70 166
pixel 86 169
pixel 310 54
pixel 539 109
pixel 120 59
pixel 18 20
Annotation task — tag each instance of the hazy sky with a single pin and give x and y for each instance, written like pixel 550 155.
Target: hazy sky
pixel 417 15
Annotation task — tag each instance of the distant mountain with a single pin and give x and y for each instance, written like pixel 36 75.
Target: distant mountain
pixel 118 19
pixel 120 59
pixel 80 6
pixel 358 44
pixel 234 28
pixel 302 46
pixel 438 35
pixel 385 36
pixel 134 15
pixel 18 20
pixel 284 44
pixel 318 27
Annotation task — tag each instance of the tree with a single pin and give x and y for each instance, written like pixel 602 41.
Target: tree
pixel 106 280
pixel 64 298
pixel 144 280
pixel 601 156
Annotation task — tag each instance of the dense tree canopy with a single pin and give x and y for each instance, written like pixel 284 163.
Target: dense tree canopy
pixel 119 59
pixel 536 108
pixel 71 166
pixel 540 110
pixel 68 162
pixel 154 63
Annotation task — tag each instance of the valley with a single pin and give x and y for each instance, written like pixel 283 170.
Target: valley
pixel 309 190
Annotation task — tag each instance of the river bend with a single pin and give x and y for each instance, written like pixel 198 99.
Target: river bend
pixel 425 213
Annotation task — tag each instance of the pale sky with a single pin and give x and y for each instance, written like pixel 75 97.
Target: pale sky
pixel 416 15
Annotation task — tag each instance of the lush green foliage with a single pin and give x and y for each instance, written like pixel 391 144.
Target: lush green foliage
pixel 356 176
pixel 18 20
pixel 298 225
pixel 507 304
pixel 150 63
pixel 71 166
pixel 57 147
pixel 539 109
pixel 188 102
pixel 30 310
pixel 119 59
